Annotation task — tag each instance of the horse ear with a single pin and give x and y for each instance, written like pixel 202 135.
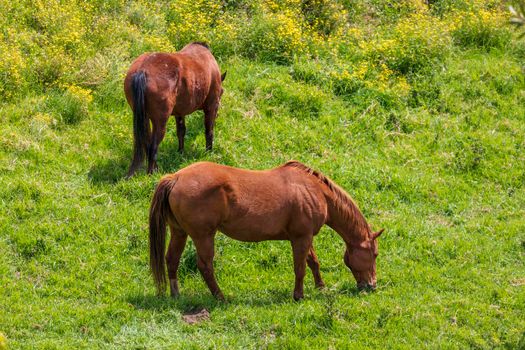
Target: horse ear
pixel 375 235
pixel 223 76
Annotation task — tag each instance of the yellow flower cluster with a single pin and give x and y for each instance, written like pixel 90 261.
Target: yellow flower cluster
pixel 80 93
pixel 280 5
pixel 481 27
pixel 63 21
pixel 12 66
pixel 413 43
pixel 289 34
pixel 191 19
pixel 226 29
pixel 158 43
pixel 48 42
pixel 371 76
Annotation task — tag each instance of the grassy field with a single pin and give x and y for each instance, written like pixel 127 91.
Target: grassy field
pixel 419 113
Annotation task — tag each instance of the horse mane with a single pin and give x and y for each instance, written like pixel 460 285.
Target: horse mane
pixel 343 202
pixel 201 43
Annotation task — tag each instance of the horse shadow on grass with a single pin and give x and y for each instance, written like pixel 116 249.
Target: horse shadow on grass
pixel 188 303
pixel 190 300
pixel 169 157
pixel 184 304
pixel 112 170
pixel 109 171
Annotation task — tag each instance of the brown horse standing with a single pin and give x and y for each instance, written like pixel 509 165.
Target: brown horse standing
pixel 158 85
pixel 290 202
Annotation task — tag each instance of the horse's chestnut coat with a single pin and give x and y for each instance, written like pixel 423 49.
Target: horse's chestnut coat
pixel 291 202
pixel 159 85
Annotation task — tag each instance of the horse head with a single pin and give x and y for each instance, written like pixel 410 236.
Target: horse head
pixel 361 260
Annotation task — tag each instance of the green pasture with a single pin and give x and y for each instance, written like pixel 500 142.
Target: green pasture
pixel 418 115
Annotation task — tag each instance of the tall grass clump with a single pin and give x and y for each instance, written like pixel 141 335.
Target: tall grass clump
pixel 273 37
pixel 415 43
pixel 71 104
pixel 483 29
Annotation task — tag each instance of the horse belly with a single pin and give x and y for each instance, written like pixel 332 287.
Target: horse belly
pixel 255 228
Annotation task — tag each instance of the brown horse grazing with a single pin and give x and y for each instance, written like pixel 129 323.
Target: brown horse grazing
pixel 158 85
pixel 290 202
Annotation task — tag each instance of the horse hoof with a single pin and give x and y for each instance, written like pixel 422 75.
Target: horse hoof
pixel 298 297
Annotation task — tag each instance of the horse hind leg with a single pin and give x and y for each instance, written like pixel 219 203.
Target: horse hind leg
pixel 173 255
pixel 157 135
pixel 205 253
pixel 313 264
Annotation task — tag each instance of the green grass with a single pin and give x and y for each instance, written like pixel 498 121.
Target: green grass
pixel 441 169
pixel 446 185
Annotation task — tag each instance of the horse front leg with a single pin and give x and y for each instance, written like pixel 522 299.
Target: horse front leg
pixel 173 255
pixel 313 264
pixel 300 248
pixel 210 114
pixel 205 252
pixel 181 131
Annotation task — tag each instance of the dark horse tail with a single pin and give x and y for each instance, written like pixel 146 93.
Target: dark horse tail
pixel 138 89
pixel 158 215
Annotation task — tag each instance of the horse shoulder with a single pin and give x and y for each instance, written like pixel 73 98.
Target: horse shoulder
pixel 309 203
pixel 315 201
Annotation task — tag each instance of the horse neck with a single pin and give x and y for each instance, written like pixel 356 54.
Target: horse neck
pixel 347 220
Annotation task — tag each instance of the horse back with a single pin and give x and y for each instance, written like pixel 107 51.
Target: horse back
pixel 200 84
pixel 247 205
pixel 183 82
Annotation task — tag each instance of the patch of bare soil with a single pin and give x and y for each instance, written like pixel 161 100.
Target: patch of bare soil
pixel 194 317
